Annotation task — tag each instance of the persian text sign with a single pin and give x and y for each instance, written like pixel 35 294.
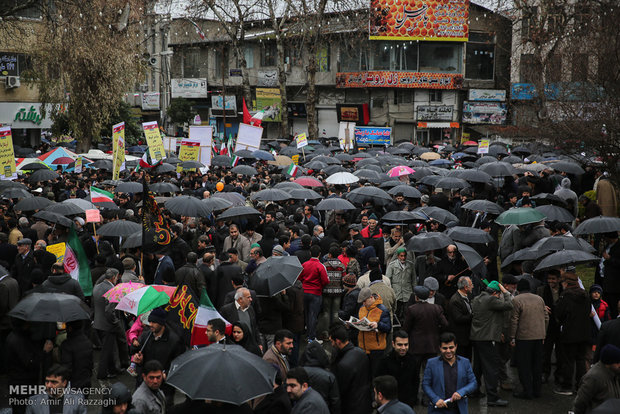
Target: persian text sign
pixel 189 88
pixel 118 149
pixel 484 113
pixel 419 20
pixel 387 79
pixel 435 113
pixel 7 155
pixel 373 135
pixel 154 141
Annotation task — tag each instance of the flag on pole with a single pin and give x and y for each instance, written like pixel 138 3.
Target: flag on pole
pixel 199 31
pixel 234 161
pixel 76 262
pixel 146 162
pixel 205 313
pixel 229 145
pixel 292 170
pixel 273 152
pixel 246 113
pixel 97 195
pixel 255 119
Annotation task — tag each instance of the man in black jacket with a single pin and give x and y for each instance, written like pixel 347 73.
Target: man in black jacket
pixel 76 353
pixel 350 306
pixel 315 361
pixel 550 292
pixel 61 282
pixel 610 277
pixel 400 364
pixel 190 275
pixel 224 274
pixel 460 316
pixel 24 264
pixel 352 369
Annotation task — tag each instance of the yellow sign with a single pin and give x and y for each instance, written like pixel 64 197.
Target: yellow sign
pixel 302 140
pixel 483 146
pixel 78 165
pixel 295 159
pixel 154 141
pixel 57 250
pixel 190 151
pixel 7 154
pixel 118 149
pixel 465 137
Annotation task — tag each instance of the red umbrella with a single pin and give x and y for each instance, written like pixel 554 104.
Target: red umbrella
pixel 470 143
pixel 63 160
pixel 309 182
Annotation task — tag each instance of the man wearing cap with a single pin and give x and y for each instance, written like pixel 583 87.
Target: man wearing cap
pixel 573 313
pixel 401 273
pixel 601 383
pixel 278 251
pixel 486 331
pixel 528 326
pixel 393 243
pixel 24 264
pixel 350 306
pixel 423 322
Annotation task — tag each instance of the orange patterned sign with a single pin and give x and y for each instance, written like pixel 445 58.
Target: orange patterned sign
pixel 388 79
pixel 419 20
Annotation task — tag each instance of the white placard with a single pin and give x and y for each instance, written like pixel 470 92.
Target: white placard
pixel 203 134
pixel 346 135
pixel 248 137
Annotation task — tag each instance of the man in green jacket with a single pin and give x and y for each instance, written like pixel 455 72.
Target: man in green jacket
pixel 401 273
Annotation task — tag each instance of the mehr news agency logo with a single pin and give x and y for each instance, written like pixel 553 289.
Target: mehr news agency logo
pixel 89 396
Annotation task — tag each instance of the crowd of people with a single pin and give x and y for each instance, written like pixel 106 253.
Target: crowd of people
pixel 369 323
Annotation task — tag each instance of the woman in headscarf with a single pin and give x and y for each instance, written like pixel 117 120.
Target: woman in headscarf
pixel 241 335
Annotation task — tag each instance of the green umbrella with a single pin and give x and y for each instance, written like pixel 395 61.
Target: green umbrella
pixel 519 216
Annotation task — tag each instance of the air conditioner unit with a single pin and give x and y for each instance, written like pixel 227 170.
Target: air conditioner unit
pixel 153 61
pixel 144 87
pixel 12 82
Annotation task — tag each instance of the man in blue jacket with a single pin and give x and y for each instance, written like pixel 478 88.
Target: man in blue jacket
pixel 448 379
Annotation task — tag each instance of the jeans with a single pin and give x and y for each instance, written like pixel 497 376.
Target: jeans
pixel 312 307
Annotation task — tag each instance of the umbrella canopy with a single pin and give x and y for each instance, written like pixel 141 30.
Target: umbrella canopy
pixel 498 169
pixel 439 214
pixel 400 171
pixel 121 290
pixel 43 175
pixel 367 174
pixel 402 217
pixel 309 182
pixel 598 225
pixel 221 161
pixel 145 299
pixel 187 165
pixel 244 170
pixel 53 217
pixel 425 242
pixel 187 206
pixel 565 258
pixel 263 155
pixel 102 165
pixel 288 185
pixel 567 167
pixel 430 180
pixel 235 198
pixel 239 212
pixel 119 228
pixel 63 161
pixel 471 256
pixel 270 194
pixel 13 192
pixel 429 156
pixel 520 216
pixel 245 154
pixel 304 194
pixel 80 202
pixel 469 235
pixel 164 168
pixel 216 203
pixel 521 151
pixel 50 307
pixel 275 275
pixel 33 166
pixel 32 203
pixel 451 183
pixel 327 160
pixel 248 376
pixel 405 190
pixel 334 204
pixel 342 178
pixel 280 160
pixel 484 206
pixel 519 256
pixel 557 243
pixel 132 241
pixel 65 209
pixel 161 188
pixel 556 213
pixel 128 187
pixel 474 176
pixel 548 198
pixel 368 193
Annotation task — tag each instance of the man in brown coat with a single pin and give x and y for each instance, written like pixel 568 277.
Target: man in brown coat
pixel 279 353
pixel 528 325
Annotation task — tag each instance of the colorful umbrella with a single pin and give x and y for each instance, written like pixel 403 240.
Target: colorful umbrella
pixel 520 216
pixel 62 160
pixel 146 298
pixel 121 290
pixel 309 182
pixel 400 171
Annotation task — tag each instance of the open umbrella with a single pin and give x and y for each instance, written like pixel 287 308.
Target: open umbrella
pixel 472 257
pixel 263 155
pixel 556 213
pixel 132 241
pixel 368 193
pixel 520 255
pixel 281 160
pixel 53 218
pixel 221 161
pixel 164 168
pixel 342 178
pixel 102 165
pixel 557 243
pixel 288 185
pixel 33 166
pixel 309 182
pixel 65 209
pixel 520 216
pixel 438 214
pixel 406 191
pixel 239 212
pixel 366 174
pixel 315 165
pixel 145 299
pixel 565 258
pixel 187 206
pixel 247 376
pixel 50 307
pixel 597 225
pixel 43 175
pixel 548 198
pixel 451 183
pixel 474 176
pixel 161 188
pixel 425 242
pixel 244 170
pixel 245 154
pixel 304 194
pixel 275 275
pixel 469 235
pixel 80 202
pixel 567 167
pixel 400 171
pixel 498 169
pixel 128 187
pixel 188 165
pixel 63 161
pixel 270 194
pixel 119 228
pixel 484 206
pixel 216 203
pixel 402 217
pixel 16 193
pixel 121 290
pixel 334 204
pixel 429 156
pixel 235 198
pixel 32 203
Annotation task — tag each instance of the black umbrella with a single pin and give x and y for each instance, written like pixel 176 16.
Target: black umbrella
pixel 13 192
pixel 247 376
pixel 270 194
pixel 245 154
pixel 344 157
pixel 498 169
pixel 485 159
pixel 557 243
pixel 65 209
pixel 187 206
pixel 33 203
pixel 239 212
pixel 334 204
pixel 327 160
pixel 368 193
pixel 304 194
pixel 164 168
pixel 50 307
pixel 216 203
pixel 275 275
pixel 469 235
pixel 425 242
pixel 315 165
pixel 128 187
pixel 566 258
pixel 289 151
pixel 512 159
pixel 33 166
pixel 188 165
pixel 406 191
pixel 161 188
pixel 132 241
pixel 600 224
pixel 235 198
pixel 519 256
pixel 521 151
pixel 53 217
pixel 472 257
pixel 438 214
pixel 484 206
pixel 43 175
pixel 430 180
pixel 173 160
pixel 244 170
pixel 567 167
pixel 119 228
pixel 451 183
pixel 556 213
pixel 402 217
pixel 112 183
pixel 474 176
pixel 548 198
pixel 288 185
pixel 102 165
pixel 367 174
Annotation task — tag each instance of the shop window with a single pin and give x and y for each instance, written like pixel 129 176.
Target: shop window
pixel 404 96
pixel 248 54
pixel 382 53
pixel 445 58
pixel 268 54
pixel 480 56
pixel 435 95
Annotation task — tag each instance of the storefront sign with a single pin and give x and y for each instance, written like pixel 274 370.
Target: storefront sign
pixel 189 88
pixel 267 78
pixel 373 135
pixel 357 113
pixel 484 113
pixel 235 72
pixel 8 170
pixel 217 105
pixel 387 79
pixel 419 20
pixel 495 95
pixel 435 113
pixel 150 101
pixel 30 115
pixel 9 64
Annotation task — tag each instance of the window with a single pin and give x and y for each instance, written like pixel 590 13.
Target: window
pixel 248 53
pixel 435 95
pixel 407 56
pixel 556 19
pixel 480 56
pixel 529 69
pixel 355 95
pixel 322 58
pixel 381 55
pixel 553 70
pixel 354 59
pixel 528 22
pixel 441 57
pixel 192 63
pixel 268 54
pixel 293 56
pixel 404 96
pixel 579 70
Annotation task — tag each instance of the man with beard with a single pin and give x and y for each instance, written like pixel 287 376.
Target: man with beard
pixel 280 352
pixel 449 270
pixel 305 399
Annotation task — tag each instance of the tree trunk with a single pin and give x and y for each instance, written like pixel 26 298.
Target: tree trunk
pixel 284 130
pixel 313 130
pixel 245 79
pixel 84 144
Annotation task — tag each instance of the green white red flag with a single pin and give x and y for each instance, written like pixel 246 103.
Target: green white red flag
pixel 205 313
pixel 97 195
pixel 292 170
pixel 76 263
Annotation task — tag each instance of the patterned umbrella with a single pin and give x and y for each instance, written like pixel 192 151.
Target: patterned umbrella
pixel 309 182
pixel 400 171
pixel 121 290
pixel 145 299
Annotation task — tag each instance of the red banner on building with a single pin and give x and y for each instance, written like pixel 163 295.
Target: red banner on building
pixel 388 79
pixel 419 20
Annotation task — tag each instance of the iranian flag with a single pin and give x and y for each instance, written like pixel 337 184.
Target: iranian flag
pixel 292 170
pixel 235 160
pixel 206 312
pixel 76 263
pixel 146 162
pixel 97 195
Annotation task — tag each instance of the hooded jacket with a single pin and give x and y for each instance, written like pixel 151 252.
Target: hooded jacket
pixel 568 195
pixel 371 340
pixel 315 361
pixel 65 284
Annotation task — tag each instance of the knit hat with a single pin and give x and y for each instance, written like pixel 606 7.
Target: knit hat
pixel 401 250
pixel 158 315
pixel 372 217
pixel 364 294
pixel 523 286
pixel 349 280
pixel 596 288
pixel 278 249
pixel 494 285
pixel 509 279
pixel 421 292
pixel 254 245
pixel 610 354
pixel 425 198
pixel 431 283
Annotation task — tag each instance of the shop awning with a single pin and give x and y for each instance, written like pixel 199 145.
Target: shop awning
pixel 438 125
